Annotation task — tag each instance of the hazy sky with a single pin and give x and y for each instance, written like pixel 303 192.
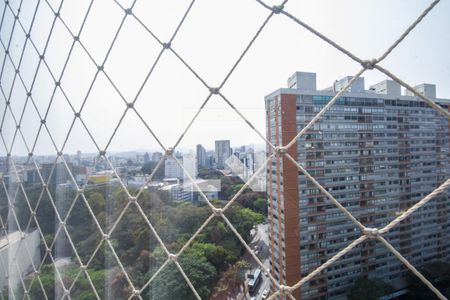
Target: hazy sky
pixel 211 39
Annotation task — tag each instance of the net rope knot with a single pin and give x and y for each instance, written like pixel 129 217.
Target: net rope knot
pixel 369 64
pixel 136 292
pixel 173 257
pixel 169 151
pixel 280 151
pixel 214 90
pixel 217 211
pixel 277 9
pixel 371 233
pixel 284 289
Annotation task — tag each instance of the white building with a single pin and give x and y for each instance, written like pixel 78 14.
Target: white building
pixel 24 247
pixel 172 169
pixel 190 166
pixel 187 191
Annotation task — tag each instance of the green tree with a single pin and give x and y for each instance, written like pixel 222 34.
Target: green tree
pixel 260 205
pixel 170 284
pixel 51 283
pixel 244 219
pixel 217 255
pixel 188 217
pixel 214 250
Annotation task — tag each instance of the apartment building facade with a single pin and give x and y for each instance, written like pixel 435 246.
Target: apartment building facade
pixel 377 152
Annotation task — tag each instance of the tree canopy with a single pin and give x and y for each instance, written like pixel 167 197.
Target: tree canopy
pixel 135 243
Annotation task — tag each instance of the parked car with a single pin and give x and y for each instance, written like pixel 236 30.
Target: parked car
pixel 265 294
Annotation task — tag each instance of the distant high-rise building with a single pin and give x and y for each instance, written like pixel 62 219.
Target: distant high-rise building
pixel 78 158
pixel 189 172
pixel 31 176
pixel 55 174
pixel 190 166
pixel 377 152
pixel 222 152
pixel 146 158
pixel 201 157
pixel 210 159
pixel 156 156
pixel 172 169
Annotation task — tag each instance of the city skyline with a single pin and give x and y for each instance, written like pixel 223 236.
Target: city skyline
pixel 143 151
pixel 245 88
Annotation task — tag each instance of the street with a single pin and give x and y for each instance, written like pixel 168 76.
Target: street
pixel 260 245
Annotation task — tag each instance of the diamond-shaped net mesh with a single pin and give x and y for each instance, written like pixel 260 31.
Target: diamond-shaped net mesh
pixel 34 26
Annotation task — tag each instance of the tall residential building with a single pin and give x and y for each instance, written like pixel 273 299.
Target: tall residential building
pixel 222 153
pixel 377 152
pixel 201 157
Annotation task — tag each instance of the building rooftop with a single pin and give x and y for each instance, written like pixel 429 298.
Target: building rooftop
pixel 305 83
pixel 11 238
